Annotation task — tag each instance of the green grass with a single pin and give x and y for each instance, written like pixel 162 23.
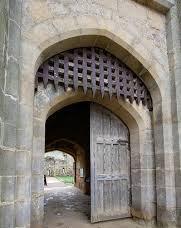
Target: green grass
pixel 66 179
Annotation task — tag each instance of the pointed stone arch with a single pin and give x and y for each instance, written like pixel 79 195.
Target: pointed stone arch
pixel 77 152
pixel 142 62
pixel 138 120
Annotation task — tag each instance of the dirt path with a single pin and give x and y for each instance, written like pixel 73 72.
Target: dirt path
pixel 66 207
pixel 53 183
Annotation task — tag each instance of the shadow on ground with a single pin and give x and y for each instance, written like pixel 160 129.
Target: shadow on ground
pixel 67 207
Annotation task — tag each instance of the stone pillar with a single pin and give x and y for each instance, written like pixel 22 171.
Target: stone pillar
pixel 7 126
pixel 174 53
pixel 164 154
pixel 143 171
pixel 37 204
pixel 14 163
pixel 147 168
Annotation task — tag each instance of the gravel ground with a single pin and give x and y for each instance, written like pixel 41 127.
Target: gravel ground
pixel 67 207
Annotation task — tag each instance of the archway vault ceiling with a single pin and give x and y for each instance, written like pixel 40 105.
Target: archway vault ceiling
pixel 61 143
pixel 96 69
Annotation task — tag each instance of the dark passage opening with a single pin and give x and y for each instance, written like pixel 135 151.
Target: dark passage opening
pixel 68 130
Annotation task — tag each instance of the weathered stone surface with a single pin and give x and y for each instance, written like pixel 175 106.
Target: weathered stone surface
pixel 7 164
pixel 7 189
pixel 7 215
pixel 147 37
pixel 22 211
pixel 12 189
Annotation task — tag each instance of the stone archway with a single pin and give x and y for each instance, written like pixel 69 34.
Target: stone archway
pixel 154 78
pixel 39 34
pixel 138 58
pixel 77 122
pixel 64 133
pixel 110 75
pixel 138 120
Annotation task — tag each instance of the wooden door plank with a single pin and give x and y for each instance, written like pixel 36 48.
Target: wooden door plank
pixel 109 166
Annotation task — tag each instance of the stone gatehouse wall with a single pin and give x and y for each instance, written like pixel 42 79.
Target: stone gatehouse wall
pixel 145 35
pixel 59 164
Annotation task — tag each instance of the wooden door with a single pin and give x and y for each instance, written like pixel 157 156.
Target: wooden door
pixel 110 166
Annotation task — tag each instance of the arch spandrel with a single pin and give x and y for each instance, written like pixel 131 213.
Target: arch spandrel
pixel 95 69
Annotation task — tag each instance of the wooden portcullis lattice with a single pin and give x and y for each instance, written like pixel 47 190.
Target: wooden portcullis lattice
pixel 95 69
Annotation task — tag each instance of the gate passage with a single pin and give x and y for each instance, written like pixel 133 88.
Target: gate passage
pixel 96 69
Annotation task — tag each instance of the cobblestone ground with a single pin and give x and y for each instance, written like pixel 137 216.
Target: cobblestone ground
pixel 67 207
